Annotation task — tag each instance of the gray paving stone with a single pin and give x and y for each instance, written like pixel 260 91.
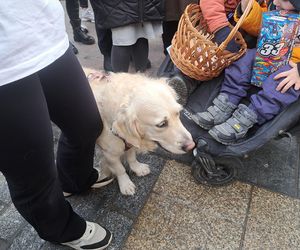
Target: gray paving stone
pixel 144 185
pixel 2 207
pixel 4 192
pixel 3 244
pixel 118 224
pixel 27 239
pixel 11 222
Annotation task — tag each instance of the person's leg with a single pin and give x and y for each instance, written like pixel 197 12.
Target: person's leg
pixel 73 109
pixel 105 46
pixel 140 52
pixel 169 29
pixel 72 7
pixel 27 162
pixel 120 58
pixel 235 86
pixel 104 36
pixel 263 106
pixel 269 102
pixel 84 3
pixel 86 13
pixel 237 77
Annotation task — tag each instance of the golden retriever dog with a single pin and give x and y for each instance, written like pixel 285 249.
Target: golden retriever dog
pixel 138 113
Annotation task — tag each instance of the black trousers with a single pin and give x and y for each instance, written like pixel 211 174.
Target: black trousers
pixel 72 7
pixel 59 93
pixel 84 3
pixel 169 29
pixel 104 36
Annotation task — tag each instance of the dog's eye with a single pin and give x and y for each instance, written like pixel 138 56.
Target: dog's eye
pixel 162 124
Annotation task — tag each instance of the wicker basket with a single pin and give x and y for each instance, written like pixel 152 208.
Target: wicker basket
pixel 193 50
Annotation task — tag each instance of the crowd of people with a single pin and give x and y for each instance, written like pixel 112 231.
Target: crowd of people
pixel 38 68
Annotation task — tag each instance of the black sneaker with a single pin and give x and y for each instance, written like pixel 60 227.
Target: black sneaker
pixel 84 29
pixel 82 37
pixel 94 237
pixel 102 181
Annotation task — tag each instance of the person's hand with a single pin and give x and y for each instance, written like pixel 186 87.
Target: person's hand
pixel 292 78
pixel 244 4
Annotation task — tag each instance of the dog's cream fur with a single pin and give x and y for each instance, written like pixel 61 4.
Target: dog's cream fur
pixel 140 111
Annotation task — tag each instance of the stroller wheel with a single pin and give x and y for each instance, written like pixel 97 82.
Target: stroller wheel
pixel 221 174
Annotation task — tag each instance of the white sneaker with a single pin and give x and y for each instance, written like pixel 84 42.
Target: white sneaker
pixel 94 237
pixel 87 15
pixel 102 181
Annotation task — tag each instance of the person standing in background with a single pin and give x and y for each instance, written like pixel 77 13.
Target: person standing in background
pixel 80 34
pixel 131 24
pixel 173 11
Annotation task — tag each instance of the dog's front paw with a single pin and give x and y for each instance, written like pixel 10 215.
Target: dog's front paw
pixel 141 169
pixel 126 186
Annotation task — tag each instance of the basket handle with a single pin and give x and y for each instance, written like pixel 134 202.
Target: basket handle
pixel 224 44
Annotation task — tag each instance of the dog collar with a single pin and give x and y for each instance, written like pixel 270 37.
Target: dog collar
pixel 127 145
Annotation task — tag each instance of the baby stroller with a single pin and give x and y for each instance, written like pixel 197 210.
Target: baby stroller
pixel 216 164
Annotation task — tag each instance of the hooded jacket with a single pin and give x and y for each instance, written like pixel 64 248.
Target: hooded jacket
pixel 116 13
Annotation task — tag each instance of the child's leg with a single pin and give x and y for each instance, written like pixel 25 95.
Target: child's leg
pixel 268 102
pixel 237 77
pixel 264 105
pixel 235 86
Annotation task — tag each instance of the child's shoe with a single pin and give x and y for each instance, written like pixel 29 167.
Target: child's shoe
pixel 235 127
pixel 215 114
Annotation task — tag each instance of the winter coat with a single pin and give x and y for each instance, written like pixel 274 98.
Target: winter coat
pixel 115 13
pixel 175 8
pixel 252 24
pixel 217 12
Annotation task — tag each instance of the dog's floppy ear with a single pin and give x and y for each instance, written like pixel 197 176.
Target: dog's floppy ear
pixel 126 127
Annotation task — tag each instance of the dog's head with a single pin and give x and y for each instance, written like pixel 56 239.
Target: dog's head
pixel 150 117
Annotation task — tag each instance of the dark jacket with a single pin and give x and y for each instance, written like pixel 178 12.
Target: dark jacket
pixel 175 8
pixel 116 13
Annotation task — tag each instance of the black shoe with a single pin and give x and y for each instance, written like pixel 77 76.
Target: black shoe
pixel 84 29
pixel 80 36
pixel 75 50
pixel 107 63
pixel 148 66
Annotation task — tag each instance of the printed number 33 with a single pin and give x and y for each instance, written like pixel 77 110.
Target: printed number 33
pixel 271 49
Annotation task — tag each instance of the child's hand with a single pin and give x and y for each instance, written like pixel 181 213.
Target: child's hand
pixel 244 4
pixel 291 78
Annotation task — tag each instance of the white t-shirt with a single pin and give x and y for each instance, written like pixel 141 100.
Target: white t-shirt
pixel 32 36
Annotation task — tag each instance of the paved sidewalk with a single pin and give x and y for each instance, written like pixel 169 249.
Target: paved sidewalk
pixel 170 210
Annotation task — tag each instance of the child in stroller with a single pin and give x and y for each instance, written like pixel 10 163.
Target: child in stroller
pixel 215 163
pixel 225 119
